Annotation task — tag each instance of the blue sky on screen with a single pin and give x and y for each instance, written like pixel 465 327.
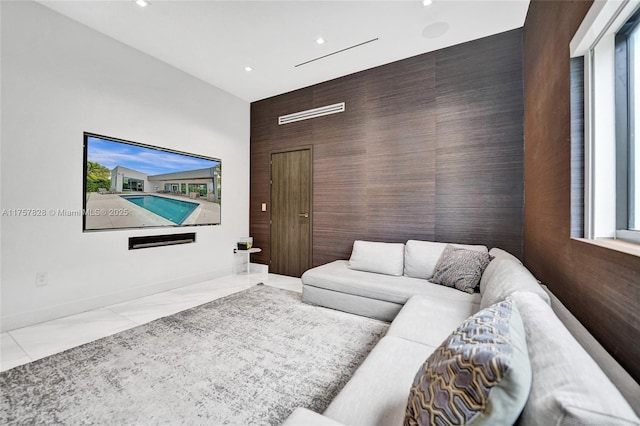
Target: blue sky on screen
pixel 147 160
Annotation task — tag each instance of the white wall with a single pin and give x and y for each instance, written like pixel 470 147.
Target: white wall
pixel 59 79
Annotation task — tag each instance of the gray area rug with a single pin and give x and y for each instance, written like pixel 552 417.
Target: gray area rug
pixel 246 359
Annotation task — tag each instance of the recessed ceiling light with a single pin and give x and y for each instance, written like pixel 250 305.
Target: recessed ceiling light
pixel 320 40
pixel 435 30
pixel 426 2
pixel 142 3
pixel 248 69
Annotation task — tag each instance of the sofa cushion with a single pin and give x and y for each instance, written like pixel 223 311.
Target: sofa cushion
pixel 568 386
pixel 380 258
pixel 338 277
pixel 420 257
pixel 460 268
pixel 503 277
pixel 480 374
pixel 429 321
pixel 628 387
pixel 305 417
pixel 498 253
pixel 377 393
pixel 382 310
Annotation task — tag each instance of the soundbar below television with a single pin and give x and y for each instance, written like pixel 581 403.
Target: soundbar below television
pixel 133 185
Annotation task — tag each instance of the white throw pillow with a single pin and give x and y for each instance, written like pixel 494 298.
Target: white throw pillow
pixel 421 257
pixel 381 258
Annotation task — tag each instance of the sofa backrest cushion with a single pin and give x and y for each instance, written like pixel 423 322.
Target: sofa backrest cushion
pixel 498 253
pixel 504 277
pixel 568 387
pixel 420 257
pixel 626 384
pixel 381 258
pixel 480 374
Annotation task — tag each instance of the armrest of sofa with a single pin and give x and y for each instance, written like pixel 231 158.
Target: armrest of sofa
pixel 304 417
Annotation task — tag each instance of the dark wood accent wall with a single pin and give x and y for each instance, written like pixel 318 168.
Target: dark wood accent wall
pixel 600 286
pixel 428 148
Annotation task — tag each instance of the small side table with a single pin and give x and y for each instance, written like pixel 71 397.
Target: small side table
pixel 243 258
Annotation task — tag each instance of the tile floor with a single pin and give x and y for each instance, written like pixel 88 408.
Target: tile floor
pixel 27 344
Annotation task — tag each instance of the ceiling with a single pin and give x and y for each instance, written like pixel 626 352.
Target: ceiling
pixel 215 40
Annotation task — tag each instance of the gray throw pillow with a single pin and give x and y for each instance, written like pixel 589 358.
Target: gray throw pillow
pixel 480 374
pixel 460 268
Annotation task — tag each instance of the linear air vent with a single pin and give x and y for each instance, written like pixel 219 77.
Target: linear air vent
pixel 311 113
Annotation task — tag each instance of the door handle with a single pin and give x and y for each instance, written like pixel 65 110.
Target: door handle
pixel 303 214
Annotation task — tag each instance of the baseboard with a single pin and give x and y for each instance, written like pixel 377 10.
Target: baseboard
pixel 25 319
pixel 258 268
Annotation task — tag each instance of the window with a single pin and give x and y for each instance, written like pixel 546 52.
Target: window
pixel 627 95
pixel 634 127
pixel 609 42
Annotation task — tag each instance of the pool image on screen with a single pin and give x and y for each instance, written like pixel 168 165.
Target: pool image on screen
pixel 132 185
pixel 174 210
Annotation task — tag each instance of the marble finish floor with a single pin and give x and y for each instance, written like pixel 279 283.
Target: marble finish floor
pixel 27 344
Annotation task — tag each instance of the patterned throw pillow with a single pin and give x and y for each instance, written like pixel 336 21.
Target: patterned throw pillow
pixel 479 375
pixel 460 268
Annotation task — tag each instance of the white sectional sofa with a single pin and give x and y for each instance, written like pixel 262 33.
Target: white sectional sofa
pixel 568 385
pixel 378 284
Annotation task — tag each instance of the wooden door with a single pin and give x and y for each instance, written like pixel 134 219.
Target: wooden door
pixel 291 212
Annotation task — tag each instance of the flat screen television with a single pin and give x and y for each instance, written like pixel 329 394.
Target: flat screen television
pixel 133 185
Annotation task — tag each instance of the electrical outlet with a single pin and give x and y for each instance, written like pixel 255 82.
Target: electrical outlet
pixel 41 279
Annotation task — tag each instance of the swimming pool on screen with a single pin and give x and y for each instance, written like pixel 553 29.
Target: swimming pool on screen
pixel 174 210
